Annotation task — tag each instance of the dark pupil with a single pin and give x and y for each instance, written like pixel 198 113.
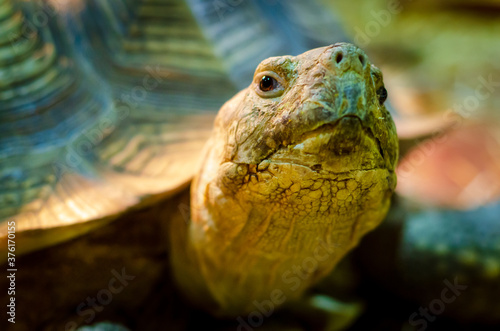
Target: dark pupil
pixel 382 95
pixel 266 83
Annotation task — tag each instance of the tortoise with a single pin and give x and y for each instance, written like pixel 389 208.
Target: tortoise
pixel 134 182
pixel 91 140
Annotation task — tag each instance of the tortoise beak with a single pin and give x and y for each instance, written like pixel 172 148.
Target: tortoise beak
pixel 352 99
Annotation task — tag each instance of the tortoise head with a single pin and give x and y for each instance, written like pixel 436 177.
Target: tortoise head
pixel 300 165
pixel 321 109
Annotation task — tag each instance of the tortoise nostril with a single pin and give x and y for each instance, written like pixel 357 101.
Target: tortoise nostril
pixel 346 58
pixel 339 57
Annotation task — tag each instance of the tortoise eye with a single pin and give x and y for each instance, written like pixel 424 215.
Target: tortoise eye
pixel 267 84
pixel 382 95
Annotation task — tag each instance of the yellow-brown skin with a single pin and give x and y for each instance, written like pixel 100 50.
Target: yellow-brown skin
pixel 291 180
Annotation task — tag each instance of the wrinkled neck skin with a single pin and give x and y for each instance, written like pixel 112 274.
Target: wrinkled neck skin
pixel 288 184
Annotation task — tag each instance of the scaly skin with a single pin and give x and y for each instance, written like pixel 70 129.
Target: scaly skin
pixel 291 180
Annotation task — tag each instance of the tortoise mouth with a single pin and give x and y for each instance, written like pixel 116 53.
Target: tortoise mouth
pixel 343 146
